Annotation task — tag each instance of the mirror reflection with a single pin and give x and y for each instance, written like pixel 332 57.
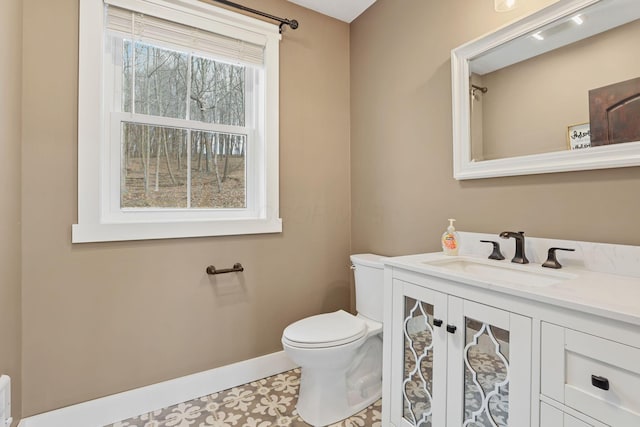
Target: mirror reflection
pixel 582 88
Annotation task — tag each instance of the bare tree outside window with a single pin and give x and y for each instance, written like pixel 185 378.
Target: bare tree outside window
pixel 171 167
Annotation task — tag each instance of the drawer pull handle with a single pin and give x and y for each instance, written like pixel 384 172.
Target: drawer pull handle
pixel 437 322
pixel 451 329
pixel 600 382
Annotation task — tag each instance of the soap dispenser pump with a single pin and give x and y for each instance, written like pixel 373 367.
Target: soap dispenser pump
pixel 450 239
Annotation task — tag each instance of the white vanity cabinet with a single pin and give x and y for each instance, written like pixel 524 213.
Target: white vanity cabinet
pixel 471 342
pixel 454 361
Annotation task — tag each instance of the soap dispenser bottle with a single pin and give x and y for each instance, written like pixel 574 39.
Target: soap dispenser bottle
pixel 450 239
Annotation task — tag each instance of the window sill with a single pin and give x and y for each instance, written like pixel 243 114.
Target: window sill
pixel 86 233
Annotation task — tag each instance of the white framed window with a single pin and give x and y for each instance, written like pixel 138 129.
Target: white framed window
pixel 177 122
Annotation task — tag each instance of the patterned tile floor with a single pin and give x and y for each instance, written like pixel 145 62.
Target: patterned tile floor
pixel 267 402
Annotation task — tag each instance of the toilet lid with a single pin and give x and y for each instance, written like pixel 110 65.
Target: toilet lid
pixel 324 330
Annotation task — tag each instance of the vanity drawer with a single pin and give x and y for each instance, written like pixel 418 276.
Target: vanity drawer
pixel 553 417
pixel 596 376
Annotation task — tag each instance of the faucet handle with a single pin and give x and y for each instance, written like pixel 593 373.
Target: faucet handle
pixel 496 254
pixel 552 260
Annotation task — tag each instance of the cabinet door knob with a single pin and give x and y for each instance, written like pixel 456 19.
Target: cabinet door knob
pixel 600 382
pixel 451 329
pixel 437 322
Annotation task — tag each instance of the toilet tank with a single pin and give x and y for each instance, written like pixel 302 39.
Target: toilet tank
pixel 369 278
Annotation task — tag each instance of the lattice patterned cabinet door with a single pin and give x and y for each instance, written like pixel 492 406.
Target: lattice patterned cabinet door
pixel 486 375
pixel 491 359
pixel 417 384
pixel 419 356
pixel 457 363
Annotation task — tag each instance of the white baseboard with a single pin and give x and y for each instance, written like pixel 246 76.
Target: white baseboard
pixel 110 409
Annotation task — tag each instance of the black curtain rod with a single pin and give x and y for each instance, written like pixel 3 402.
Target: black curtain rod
pixel 283 21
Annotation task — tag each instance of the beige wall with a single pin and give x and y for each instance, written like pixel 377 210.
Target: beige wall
pixel 10 84
pixel 102 318
pixel 402 180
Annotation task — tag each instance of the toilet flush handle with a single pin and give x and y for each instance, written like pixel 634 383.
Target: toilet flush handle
pixel 353 267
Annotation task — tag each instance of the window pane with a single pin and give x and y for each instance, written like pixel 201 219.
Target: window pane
pixel 127 74
pixel 218 170
pixel 154 167
pixel 160 80
pixel 217 92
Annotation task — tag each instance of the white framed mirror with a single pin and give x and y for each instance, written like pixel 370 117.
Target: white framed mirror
pixel 556 91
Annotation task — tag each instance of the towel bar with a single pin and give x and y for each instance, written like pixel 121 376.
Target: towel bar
pixel 237 267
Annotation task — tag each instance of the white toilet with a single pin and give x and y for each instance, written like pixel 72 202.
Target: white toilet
pixel 341 354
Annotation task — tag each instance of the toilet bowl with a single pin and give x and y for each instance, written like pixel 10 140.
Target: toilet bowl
pixel 341 354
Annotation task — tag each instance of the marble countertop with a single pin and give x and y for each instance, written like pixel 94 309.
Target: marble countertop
pixel 599 279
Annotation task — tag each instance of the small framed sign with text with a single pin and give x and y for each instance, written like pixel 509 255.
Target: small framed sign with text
pixel 579 136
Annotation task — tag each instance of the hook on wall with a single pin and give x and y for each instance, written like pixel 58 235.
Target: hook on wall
pixel 475 89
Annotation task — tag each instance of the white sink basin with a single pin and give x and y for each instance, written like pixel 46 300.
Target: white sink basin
pixel 500 272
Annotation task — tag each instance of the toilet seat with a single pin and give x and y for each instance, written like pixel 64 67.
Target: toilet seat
pixel 325 330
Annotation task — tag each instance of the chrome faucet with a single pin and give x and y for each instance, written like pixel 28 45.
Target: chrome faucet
pixel 519 257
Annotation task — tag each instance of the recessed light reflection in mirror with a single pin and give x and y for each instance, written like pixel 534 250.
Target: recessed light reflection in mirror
pixel 560 27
